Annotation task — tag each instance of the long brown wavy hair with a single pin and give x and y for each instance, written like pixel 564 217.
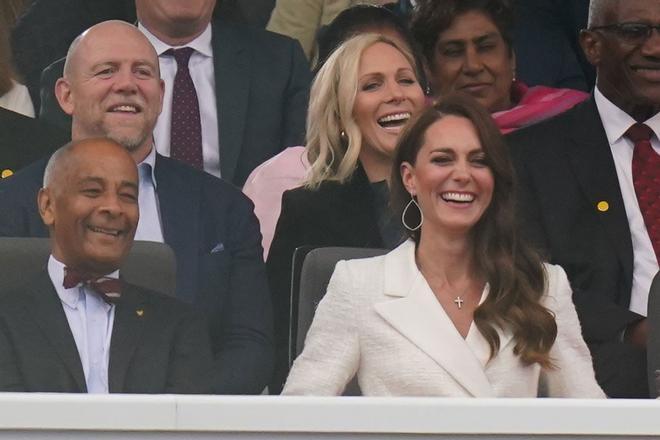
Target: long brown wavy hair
pixel 513 269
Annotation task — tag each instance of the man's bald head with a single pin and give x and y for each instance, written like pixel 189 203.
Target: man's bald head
pixel 112 87
pixel 116 28
pixel 64 158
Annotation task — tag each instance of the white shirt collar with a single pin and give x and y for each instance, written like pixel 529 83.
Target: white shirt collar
pixel 616 122
pixel 201 44
pixel 71 296
pixel 151 161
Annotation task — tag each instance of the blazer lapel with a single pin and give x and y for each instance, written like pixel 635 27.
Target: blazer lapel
pixel 130 315
pixel 179 196
pixel 232 86
pixel 413 311
pixel 590 156
pixel 47 310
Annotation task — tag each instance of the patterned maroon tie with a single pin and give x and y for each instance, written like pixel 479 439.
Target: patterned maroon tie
pixel 186 130
pixel 108 288
pixel 646 179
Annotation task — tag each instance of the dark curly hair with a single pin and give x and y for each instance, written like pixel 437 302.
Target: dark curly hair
pixel 513 269
pixel 433 17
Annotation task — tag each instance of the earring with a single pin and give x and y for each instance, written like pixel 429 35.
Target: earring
pixel 342 135
pixel 414 203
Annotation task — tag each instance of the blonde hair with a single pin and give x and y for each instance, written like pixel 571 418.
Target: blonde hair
pixel 333 138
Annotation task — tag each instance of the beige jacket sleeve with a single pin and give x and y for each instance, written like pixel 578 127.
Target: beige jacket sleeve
pixel 301 19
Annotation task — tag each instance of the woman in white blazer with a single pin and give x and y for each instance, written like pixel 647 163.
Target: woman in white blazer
pixel 462 308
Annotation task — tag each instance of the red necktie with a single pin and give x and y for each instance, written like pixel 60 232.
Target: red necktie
pixel 646 179
pixel 186 129
pixel 108 288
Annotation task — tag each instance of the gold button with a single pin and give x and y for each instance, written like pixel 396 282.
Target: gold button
pixel 6 173
pixel 603 206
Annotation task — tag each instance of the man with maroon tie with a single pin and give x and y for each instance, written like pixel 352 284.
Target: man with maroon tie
pixel 589 183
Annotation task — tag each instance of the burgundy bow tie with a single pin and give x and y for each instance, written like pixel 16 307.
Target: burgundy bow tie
pixel 108 288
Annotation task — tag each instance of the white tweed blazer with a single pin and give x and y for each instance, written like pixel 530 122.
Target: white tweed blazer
pixel 381 321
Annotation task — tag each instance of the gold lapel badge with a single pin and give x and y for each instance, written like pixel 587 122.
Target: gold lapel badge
pixel 6 173
pixel 139 312
pixel 603 206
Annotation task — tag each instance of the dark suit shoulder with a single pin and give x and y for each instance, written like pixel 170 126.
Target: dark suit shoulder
pixel 24 140
pixel 221 196
pixel 261 38
pixel 18 202
pixel 548 130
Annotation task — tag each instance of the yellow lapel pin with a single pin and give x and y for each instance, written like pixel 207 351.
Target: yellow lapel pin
pixel 139 312
pixel 603 206
pixel 6 173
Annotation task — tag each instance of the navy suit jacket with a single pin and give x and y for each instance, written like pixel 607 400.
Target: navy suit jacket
pixel 565 168
pixel 162 349
pixel 215 236
pixel 262 89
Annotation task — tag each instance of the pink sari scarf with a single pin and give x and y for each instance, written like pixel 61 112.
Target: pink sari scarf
pixel 535 104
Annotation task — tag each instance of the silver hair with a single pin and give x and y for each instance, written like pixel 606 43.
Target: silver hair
pixel 597 9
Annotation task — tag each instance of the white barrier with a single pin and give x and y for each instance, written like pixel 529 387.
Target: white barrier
pixel 70 416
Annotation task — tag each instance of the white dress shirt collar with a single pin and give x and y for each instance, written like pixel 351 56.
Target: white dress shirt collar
pixel 616 122
pixel 201 44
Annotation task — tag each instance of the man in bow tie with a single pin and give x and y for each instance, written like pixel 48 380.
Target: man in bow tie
pixel 589 184
pixel 77 327
pixel 112 88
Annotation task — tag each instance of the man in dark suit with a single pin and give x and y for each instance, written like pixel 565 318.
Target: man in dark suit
pixel 77 327
pixel 251 88
pixel 579 189
pixel 111 87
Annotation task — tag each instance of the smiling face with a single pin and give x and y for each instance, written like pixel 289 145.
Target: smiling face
pixel 451 177
pixel 471 56
pixel 112 87
pixel 388 95
pixel 628 71
pixel 91 206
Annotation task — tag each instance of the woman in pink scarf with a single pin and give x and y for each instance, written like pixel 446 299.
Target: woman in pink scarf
pixel 467 47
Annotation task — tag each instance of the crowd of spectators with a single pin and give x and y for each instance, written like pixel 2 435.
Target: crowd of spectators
pixel 506 154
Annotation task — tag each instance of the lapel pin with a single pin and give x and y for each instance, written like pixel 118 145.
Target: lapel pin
pixel 139 312
pixel 6 173
pixel 603 206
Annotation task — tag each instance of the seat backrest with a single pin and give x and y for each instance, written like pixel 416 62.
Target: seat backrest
pixel 149 264
pixel 653 347
pixel 315 273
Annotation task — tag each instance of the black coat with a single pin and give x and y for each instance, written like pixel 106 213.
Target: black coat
pixel 333 215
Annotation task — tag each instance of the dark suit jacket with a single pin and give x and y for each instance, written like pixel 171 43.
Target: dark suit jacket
pixel 163 349
pixel 215 236
pixel 565 168
pixel 24 140
pixel 262 88
pixel 333 215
